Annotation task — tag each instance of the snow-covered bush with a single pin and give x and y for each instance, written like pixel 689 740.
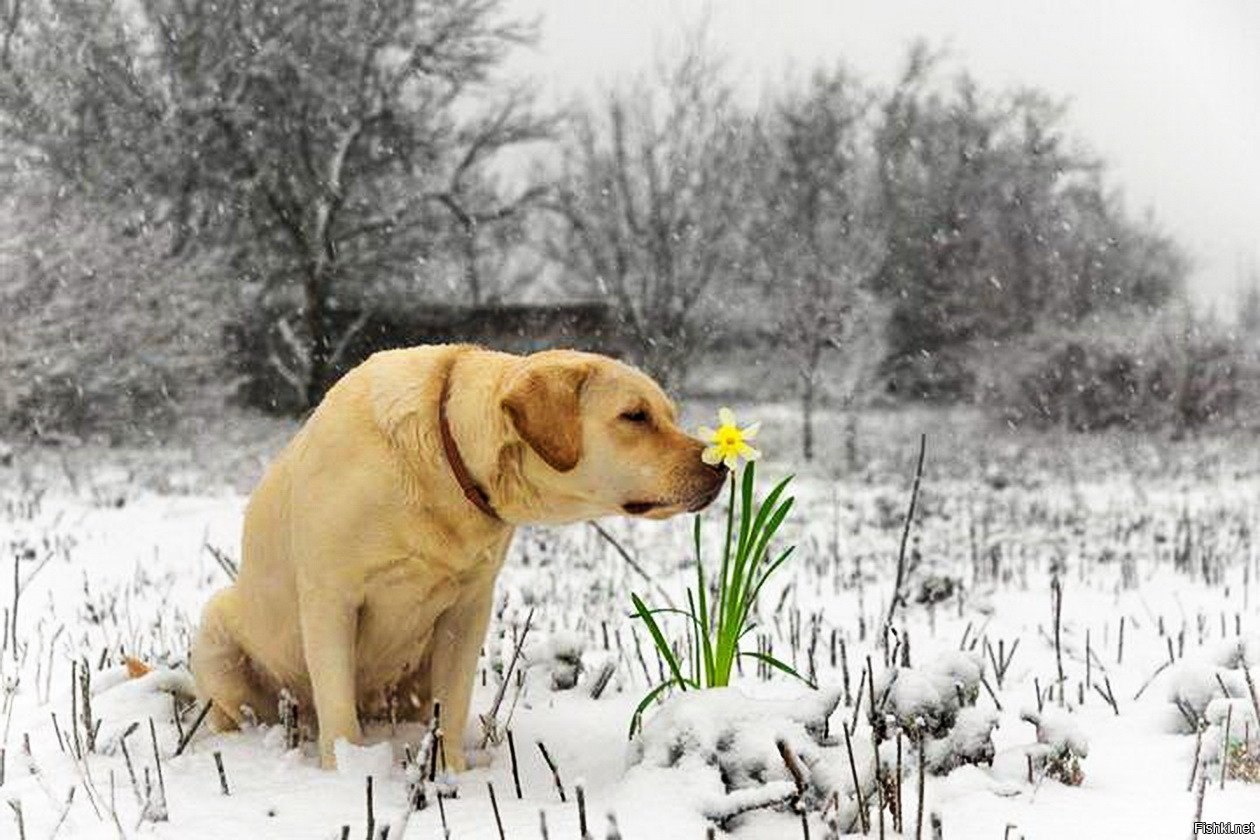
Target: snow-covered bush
pixel 1060 745
pixel 969 741
pixel 734 738
pixel 1193 686
pixel 554 660
pixel 927 699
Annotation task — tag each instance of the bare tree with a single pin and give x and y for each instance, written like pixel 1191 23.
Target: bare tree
pixel 818 238
pixel 481 210
pixel 997 226
pixel 652 206
pixel 332 141
pixel 1248 296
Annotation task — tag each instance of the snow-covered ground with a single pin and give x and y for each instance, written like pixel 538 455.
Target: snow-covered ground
pixel 109 568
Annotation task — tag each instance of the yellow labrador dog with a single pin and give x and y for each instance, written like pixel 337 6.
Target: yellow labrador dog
pixel 372 543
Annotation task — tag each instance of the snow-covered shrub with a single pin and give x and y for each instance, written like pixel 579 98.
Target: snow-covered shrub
pixel 1235 718
pixel 1155 374
pixel 735 738
pixel 935 588
pixel 105 335
pixel 1194 686
pixel 927 699
pixel 1060 745
pixel 1243 761
pixel 969 741
pixel 559 657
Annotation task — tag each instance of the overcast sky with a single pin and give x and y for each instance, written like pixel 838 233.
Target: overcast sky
pixel 1168 91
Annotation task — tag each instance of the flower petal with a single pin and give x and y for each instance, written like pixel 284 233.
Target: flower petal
pixel 731 461
pixel 748 453
pixel 750 432
pixel 706 433
pixel 712 456
pixel 726 416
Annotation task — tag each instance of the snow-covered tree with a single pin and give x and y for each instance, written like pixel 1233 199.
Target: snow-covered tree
pixel 330 142
pixel 652 206
pixel 817 238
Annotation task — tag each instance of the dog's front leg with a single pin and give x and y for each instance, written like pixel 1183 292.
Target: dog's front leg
pixel 457 641
pixel 329 629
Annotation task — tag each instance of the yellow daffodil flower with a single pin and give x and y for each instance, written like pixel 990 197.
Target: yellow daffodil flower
pixel 729 443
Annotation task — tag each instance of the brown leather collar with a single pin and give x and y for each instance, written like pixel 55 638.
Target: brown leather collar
pixel 472 490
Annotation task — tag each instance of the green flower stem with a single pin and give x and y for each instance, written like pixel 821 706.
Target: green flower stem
pixel 715 630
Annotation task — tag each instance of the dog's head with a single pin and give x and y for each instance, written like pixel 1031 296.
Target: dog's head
pixel 602 438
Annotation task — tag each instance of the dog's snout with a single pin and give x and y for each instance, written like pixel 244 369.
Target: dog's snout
pixel 713 476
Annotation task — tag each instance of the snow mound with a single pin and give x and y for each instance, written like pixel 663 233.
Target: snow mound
pixel 1061 744
pixel 376 760
pixel 743 745
pixel 930 696
pixel 558 656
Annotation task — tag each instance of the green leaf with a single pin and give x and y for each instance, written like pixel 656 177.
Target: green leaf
pixel 726 550
pixel 771 569
pixel 654 610
pixel 636 720
pixel 771 526
pixel 768 504
pixel 746 505
pixel 703 596
pixel 704 645
pixel 659 638
pixel 782 666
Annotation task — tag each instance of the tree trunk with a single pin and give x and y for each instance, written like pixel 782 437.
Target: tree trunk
pixel 471 274
pixel 809 388
pixel 315 307
pixel 850 437
pixel 807 420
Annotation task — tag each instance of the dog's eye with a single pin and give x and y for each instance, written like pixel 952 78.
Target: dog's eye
pixel 638 416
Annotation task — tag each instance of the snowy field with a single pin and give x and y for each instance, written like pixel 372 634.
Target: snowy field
pixel 1106 723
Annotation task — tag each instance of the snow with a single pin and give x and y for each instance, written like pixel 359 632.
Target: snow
pixel 110 566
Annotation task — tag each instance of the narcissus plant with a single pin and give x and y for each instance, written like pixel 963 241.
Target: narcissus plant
pixel 720 612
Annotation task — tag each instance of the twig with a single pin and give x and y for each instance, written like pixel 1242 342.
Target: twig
pixel 581 804
pixel 555 774
pixel 192 730
pixel 65 812
pixel 223 783
pixel 898 596
pixel 494 806
pixel 625 555
pixel 857 785
pixel 918 829
pixel 17 815
pixel 227 564
pixel 793 765
pixel 1229 719
pixel 131 770
pixel 1198 748
pixel 1056 587
pixel 1251 687
pixel 989 689
pixel 1150 679
pixel 1198 806
pixel 1108 695
pixel 157 758
pixel 516 775
pixel 489 720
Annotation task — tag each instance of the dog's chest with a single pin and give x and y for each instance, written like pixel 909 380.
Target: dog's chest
pixel 400 607
pixel 403 602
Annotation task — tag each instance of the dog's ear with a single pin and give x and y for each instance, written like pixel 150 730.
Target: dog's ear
pixel 543 401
